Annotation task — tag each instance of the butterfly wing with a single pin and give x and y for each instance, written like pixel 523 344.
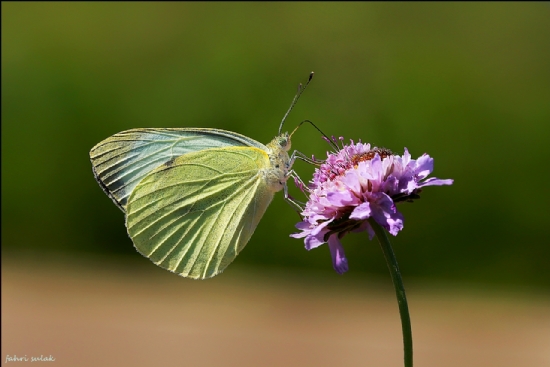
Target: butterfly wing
pixel 195 213
pixel 121 161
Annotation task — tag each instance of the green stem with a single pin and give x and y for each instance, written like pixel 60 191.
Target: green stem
pixel 399 291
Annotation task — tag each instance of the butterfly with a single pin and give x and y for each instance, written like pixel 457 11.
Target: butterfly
pixel 192 197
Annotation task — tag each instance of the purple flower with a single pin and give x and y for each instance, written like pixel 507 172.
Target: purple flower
pixel 357 183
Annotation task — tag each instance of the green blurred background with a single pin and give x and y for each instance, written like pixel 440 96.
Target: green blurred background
pixel 467 83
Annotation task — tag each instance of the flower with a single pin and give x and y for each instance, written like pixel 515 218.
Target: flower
pixel 356 183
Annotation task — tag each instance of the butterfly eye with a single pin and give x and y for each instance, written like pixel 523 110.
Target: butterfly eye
pixel 284 141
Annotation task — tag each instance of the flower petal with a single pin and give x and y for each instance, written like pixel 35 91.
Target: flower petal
pixel 303 225
pixel 339 261
pixel 433 181
pixel 312 242
pixel 361 212
pixel 306 228
pixel 424 166
pixel 385 213
pixel 406 157
pixel 317 236
pixel 341 198
pixel 352 181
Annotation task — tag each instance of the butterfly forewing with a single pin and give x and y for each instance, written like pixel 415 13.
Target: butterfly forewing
pixel 195 213
pixel 121 161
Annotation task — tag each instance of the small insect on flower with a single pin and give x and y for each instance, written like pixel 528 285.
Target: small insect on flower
pixel 356 183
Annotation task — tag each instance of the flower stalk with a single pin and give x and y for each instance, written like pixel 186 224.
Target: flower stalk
pixel 391 261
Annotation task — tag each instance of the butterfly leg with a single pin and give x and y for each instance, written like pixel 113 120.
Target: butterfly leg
pixel 297 205
pixel 301 156
pixel 298 181
pixel 293 203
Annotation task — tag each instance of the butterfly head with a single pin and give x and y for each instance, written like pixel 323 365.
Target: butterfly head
pixel 283 141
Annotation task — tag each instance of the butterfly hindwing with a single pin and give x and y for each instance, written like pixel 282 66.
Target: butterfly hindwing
pixel 121 161
pixel 195 213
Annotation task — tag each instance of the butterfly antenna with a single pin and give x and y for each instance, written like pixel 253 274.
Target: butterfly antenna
pixel 326 138
pixel 296 97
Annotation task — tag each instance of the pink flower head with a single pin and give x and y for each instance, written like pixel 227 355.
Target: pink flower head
pixel 357 183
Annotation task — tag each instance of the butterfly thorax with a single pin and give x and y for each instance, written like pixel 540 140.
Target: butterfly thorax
pixel 277 174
